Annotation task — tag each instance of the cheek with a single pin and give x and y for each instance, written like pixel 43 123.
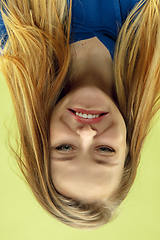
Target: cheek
pixel 57 130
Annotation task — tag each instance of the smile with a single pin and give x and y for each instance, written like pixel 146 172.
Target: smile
pixel 87 116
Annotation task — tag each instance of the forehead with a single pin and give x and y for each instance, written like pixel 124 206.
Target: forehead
pixel 85 182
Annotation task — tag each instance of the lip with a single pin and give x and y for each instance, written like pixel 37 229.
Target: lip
pixel 85 120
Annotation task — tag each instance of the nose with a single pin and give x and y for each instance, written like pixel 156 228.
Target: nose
pixel 86 132
pixel 86 135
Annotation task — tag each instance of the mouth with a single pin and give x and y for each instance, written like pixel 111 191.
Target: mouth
pixel 87 116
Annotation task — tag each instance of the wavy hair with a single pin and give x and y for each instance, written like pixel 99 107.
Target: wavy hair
pixel 35 63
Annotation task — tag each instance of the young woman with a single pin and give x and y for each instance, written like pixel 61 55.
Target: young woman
pixel 83 106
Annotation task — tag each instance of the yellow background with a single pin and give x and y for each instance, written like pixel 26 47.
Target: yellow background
pixel 22 218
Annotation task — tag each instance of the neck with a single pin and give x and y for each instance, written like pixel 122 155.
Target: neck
pixel 92 65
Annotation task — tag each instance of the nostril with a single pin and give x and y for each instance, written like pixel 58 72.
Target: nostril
pixel 94 129
pixel 86 130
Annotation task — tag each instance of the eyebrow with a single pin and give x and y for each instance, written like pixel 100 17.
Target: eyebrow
pixel 111 164
pixel 96 160
pixel 62 158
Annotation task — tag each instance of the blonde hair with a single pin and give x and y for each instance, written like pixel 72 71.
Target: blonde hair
pixel 35 63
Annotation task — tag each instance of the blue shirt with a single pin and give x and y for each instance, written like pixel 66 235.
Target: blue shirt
pixel 90 18
pixel 99 18
pixel 3 33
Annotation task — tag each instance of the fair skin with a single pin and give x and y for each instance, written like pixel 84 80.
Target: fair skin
pixel 87 157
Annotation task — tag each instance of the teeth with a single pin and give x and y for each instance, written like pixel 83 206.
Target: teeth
pixel 90 116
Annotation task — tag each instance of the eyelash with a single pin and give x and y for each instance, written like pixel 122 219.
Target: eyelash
pixel 63 145
pixel 109 149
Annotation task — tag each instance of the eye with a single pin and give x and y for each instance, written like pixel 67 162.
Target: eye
pixel 65 147
pixel 105 149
